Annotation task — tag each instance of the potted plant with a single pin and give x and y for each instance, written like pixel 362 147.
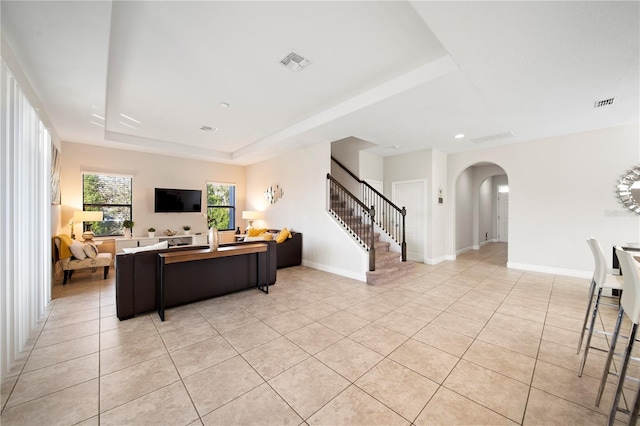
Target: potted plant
pixel 128 228
pixel 151 231
pixel 187 229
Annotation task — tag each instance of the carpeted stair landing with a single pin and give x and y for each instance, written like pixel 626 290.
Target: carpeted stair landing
pixel 389 265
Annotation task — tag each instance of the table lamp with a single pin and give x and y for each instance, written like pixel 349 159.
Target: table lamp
pixel 87 216
pixel 250 216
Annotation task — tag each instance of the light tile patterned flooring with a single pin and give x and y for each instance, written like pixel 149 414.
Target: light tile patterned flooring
pixel 462 342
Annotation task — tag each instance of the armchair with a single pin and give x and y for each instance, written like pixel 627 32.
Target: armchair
pixel 68 263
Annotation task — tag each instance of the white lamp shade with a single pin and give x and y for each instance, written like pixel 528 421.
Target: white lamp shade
pixel 250 215
pixel 87 216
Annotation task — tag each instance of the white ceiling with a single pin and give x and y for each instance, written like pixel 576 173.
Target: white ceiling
pixel 407 74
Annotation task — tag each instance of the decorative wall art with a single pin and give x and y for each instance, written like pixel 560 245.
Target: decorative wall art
pixel 628 190
pixel 273 194
pixel 56 167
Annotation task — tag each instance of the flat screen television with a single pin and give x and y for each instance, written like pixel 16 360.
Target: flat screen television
pixel 178 200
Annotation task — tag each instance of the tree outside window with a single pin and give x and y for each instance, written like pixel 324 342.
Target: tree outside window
pixel 221 206
pixel 110 194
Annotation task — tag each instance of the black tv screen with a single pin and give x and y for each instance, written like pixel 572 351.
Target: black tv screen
pixel 178 200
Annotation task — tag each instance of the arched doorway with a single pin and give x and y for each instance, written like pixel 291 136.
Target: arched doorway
pixel 481 209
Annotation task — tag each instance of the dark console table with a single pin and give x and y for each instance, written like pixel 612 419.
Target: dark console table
pixel 169 260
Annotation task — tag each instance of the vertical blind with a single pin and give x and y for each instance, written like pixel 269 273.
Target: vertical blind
pixel 25 218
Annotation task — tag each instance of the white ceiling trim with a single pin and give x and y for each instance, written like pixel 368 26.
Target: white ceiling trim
pixel 410 80
pixel 164 146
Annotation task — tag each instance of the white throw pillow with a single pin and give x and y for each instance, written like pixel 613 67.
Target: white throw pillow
pixel 77 250
pixel 159 246
pixel 91 250
pixel 258 238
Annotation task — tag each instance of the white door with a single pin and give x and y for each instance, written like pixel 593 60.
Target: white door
pixel 411 195
pixel 503 217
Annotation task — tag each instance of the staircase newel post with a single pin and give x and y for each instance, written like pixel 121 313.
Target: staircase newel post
pixel 372 244
pixel 404 236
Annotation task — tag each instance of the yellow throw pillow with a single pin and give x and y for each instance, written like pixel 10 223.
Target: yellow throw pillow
pixel 255 232
pixel 267 236
pixel 283 235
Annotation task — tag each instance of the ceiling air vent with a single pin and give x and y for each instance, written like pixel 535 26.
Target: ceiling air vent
pixel 491 138
pixel 603 103
pixel 295 62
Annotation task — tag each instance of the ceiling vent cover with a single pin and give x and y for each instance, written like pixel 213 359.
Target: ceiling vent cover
pixel 492 138
pixel 603 103
pixel 295 62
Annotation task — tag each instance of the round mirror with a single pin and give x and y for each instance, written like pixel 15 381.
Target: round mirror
pixel 629 190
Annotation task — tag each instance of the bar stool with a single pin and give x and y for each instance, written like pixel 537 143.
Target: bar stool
pixel 629 306
pixel 601 280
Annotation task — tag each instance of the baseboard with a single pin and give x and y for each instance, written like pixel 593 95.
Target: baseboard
pixel 466 249
pixel 440 259
pixel 550 270
pixel 360 276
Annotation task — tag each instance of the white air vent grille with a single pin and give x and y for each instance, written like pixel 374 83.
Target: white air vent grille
pixel 295 62
pixel 491 138
pixel 603 103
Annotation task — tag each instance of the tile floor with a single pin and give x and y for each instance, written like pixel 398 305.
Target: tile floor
pixel 462 342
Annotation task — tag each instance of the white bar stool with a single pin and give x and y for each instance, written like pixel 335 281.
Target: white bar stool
pixel 601 280
pixel 629 306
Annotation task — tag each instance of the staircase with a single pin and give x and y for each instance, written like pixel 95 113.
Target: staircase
pixel 358 220
pixel 389 264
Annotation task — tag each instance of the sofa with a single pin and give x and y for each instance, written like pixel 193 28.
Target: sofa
pixel 137 278
pixel 289 253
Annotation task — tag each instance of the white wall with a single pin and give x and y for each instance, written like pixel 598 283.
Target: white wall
pixel 437 212
pixel 480 175
pixel 485 210
pixel 149 171
pixel 431 165
pixel 561 191
pixel 302 176
pixel 464 193
pixel 497 181
pixel 412 166
pixel 371 166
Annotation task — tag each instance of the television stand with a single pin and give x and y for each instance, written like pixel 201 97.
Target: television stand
pixel 173 240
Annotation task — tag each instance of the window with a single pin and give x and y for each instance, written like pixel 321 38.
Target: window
pixel 110 194
pixel 221 206
pixel 503 188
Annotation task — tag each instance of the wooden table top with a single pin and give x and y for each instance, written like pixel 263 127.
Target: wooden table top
pixel 202 254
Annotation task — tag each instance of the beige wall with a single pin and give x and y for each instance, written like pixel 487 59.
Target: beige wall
pixel 149 171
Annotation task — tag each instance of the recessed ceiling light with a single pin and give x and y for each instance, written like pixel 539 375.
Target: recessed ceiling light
pixel 97 124
pixel 396 146
pixel 128 125
pixel 129 118
pixel 97 116
pixel 209 129
pixel 224 105
pixel 459 136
